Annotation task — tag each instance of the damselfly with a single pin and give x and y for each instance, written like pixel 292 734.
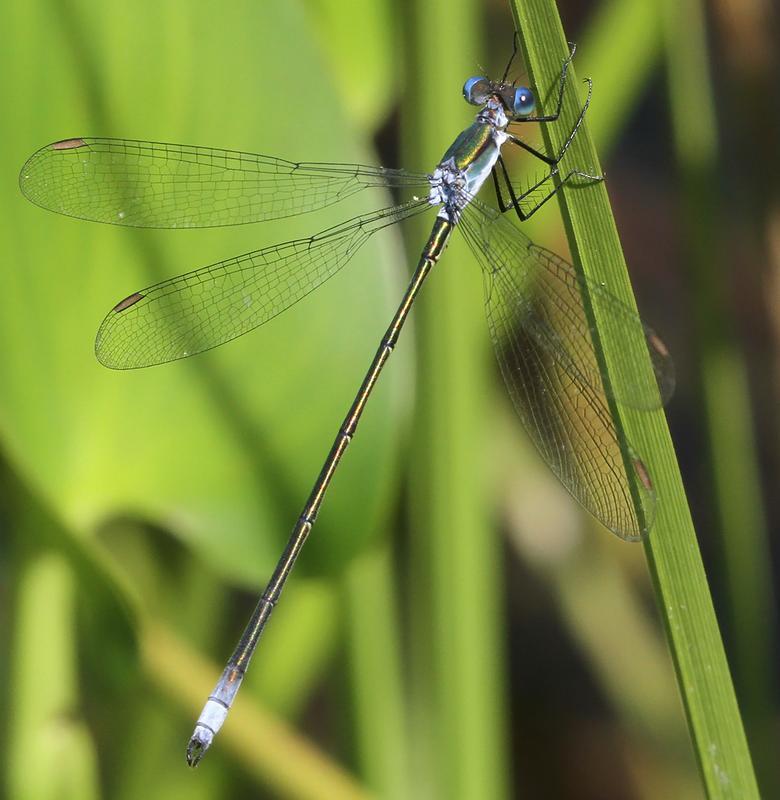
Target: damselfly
pixel 539 309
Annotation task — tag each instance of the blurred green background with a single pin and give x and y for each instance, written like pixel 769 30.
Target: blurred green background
pixel 457 627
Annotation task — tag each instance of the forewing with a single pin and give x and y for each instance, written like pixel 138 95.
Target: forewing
pixel 212 305
pixel 546 352
pixel 156 185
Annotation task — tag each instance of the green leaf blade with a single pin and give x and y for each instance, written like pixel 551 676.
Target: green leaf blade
pixel 671 547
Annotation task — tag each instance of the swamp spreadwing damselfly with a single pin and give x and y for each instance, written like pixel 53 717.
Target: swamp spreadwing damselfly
pixel 537 305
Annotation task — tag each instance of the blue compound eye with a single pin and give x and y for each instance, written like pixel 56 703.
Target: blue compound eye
pixel 476 91
pixel 524 102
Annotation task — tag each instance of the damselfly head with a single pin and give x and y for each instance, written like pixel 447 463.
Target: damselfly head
pixel 519 101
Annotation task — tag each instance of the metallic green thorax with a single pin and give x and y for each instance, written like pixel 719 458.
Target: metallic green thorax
pixel 472 144
pixel 466 165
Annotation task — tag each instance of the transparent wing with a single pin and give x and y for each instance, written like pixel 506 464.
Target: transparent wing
pixel 566 330
pixel 546 352
pixel 156 185
pixel 212 305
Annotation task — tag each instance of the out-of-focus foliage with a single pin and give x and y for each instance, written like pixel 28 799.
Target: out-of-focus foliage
pixel 411 656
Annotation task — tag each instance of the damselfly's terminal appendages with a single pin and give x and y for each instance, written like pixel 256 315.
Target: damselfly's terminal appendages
pixel 534 300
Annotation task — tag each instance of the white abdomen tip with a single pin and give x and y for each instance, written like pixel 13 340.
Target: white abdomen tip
pixel 213 715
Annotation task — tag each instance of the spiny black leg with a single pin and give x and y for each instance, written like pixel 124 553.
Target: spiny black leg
pixel 533 151
pixel 547 159
pixel 502 204
pixel 515 40
pixel 564 72
pixel 518 198
pixel 515 203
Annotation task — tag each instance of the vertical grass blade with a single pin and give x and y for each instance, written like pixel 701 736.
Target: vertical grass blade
pixel 457 685
pixel 723 379
pixel 374 650
pixel 672 550
pixel 51 752
pixel 625 33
